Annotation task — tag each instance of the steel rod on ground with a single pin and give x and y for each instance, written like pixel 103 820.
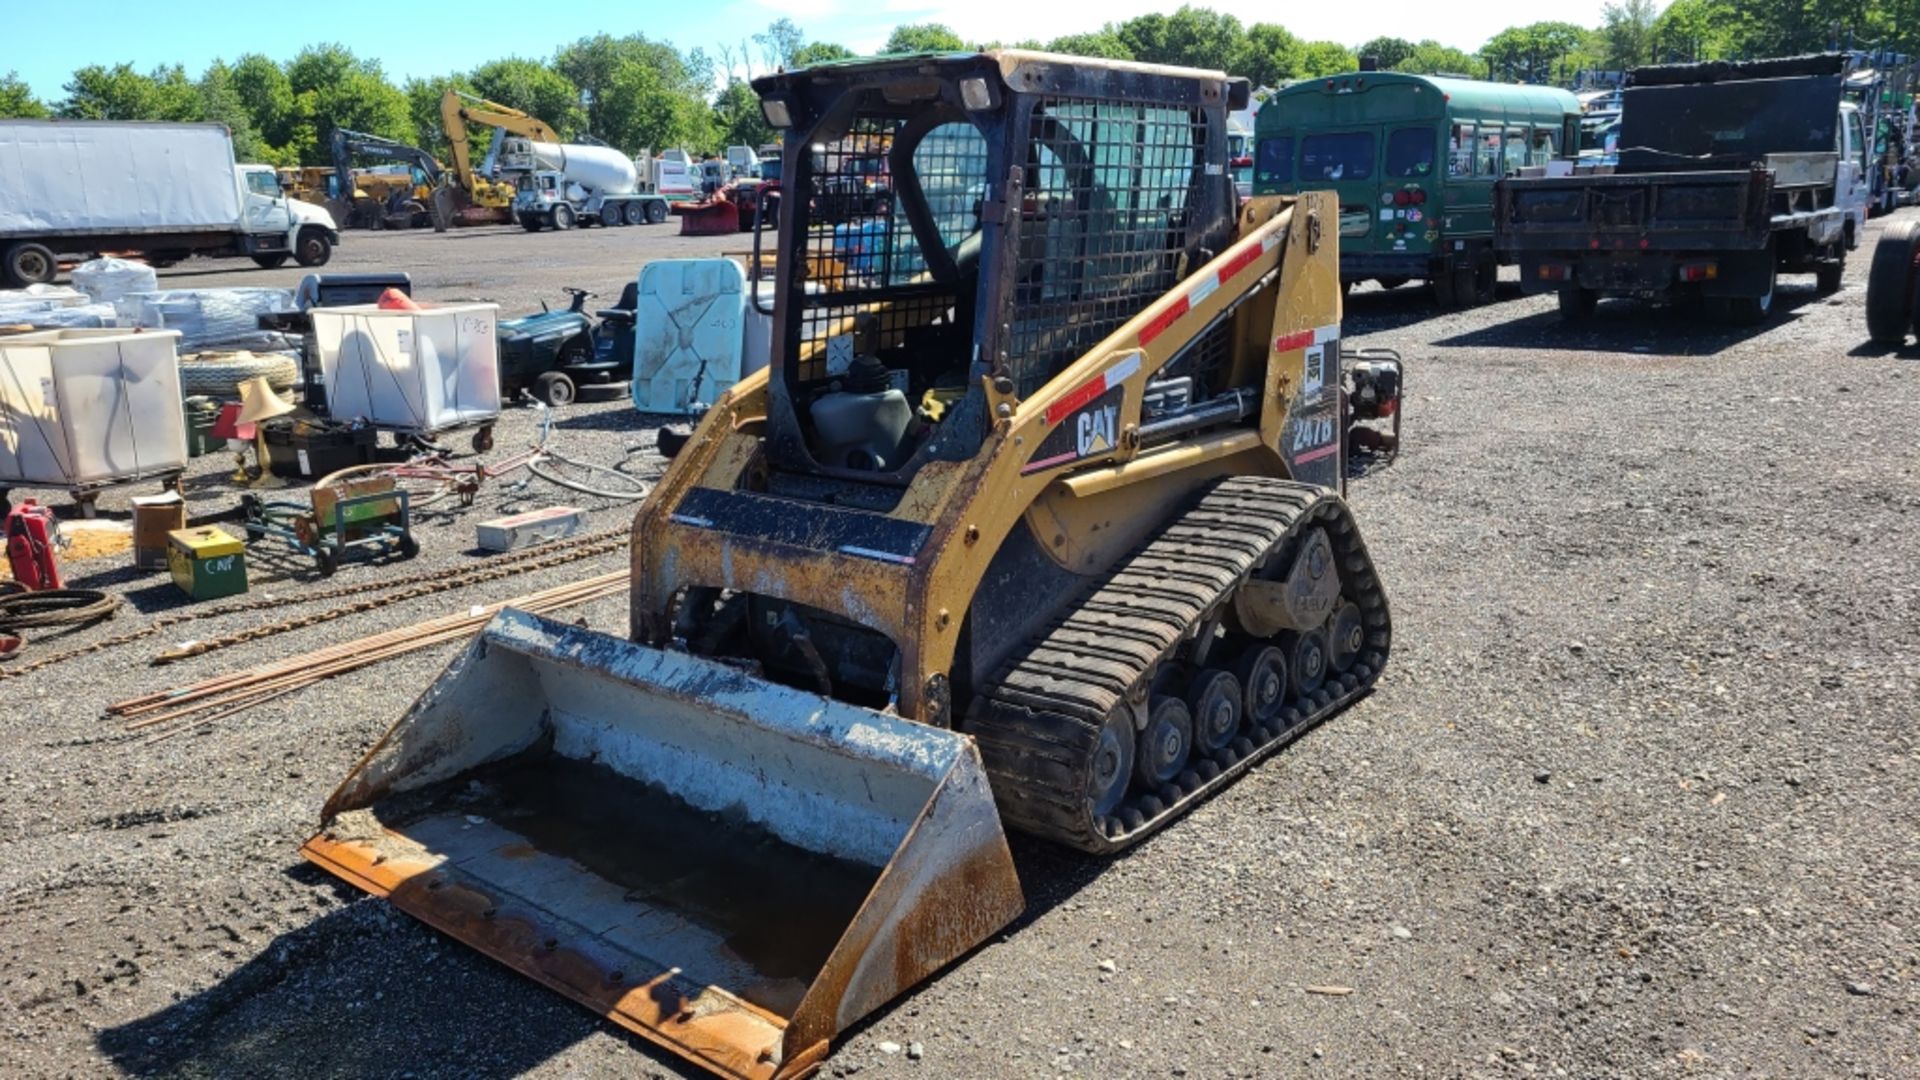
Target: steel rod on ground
pixel 237 691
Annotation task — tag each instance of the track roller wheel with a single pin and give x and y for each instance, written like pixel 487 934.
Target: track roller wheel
pixel 1056 725
pixel 1165 743
pixel 1262 672
pixel 1217 704
pixel 1306 660
pixel 1346 637
pixel 1112 762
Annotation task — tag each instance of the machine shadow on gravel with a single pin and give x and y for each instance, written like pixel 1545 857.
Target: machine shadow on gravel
pixel 305 1005
pixel 1619 326
pixel 1873 350
pixel 308 997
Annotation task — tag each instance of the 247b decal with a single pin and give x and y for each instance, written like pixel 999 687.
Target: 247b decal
pixel 1314 437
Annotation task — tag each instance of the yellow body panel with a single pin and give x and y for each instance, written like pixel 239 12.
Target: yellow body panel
pixel 973 506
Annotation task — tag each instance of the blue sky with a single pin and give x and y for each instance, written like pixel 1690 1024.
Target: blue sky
pixel 45 41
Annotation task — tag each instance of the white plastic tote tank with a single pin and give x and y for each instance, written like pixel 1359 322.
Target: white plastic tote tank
pixel 418 371
pixel 86 407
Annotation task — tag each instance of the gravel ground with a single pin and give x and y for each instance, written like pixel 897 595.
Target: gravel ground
pixel 1634 797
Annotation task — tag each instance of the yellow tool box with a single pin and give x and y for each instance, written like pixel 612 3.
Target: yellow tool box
pixel 207 563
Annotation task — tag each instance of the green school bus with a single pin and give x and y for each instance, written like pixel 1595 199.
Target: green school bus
pixel 1413 159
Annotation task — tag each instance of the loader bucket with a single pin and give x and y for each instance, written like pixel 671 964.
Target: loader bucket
pixel 732 868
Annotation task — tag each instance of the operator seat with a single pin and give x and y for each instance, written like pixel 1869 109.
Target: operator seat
pixel 622 312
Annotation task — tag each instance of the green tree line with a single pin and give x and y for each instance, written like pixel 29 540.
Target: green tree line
pixel 635 92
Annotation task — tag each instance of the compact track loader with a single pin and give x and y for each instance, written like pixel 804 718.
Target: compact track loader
pixel 1034 518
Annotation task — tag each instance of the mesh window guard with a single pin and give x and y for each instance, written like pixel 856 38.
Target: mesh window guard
pixel 1103 226
pixel 860 249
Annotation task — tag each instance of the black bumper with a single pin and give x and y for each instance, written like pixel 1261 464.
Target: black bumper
pixel 1366 265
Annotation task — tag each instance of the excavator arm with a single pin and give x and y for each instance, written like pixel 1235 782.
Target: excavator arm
pixel 347 144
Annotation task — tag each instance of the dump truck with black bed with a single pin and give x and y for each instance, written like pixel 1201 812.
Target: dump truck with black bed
pixel 1729 174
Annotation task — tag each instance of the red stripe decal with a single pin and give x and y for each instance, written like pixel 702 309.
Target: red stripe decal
pixel 1089 390
pixel 1298 340
pixel 1048 463
pixel 1239 262
pixel 1163 320
pixel 1316 455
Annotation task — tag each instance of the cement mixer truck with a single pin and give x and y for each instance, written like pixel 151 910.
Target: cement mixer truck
pixel 561 184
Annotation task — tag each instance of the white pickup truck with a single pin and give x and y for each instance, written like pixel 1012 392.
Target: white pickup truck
pixel 73 189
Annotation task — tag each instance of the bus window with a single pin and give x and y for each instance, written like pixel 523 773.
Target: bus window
pixel 1546 146
pixel 1274 163
pixel 1460 151
pixel 1516 157
pixel 1486 160
pixel 1410 153
pixel 1345 156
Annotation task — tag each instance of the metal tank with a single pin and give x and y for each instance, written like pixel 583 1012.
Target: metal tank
pixel 600 168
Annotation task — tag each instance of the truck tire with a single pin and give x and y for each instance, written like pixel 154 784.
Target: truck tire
pixel 1828 276
pixel 531 222
pixel 635 213
pixel 656 211
pixel 271 262
pixel 312 248
pixel 1753 310
pixel 613 215
pixel 1890 284
pixel 1577 304
pixel 28 263
pixel 218 374
pixel 563 217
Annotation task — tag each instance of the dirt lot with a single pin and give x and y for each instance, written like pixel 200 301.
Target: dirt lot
pixel 1635 797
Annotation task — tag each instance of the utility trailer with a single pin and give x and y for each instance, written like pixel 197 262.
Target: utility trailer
pixel 1729 174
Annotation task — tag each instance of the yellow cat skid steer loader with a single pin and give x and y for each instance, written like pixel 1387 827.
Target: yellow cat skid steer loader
pixel 1033 519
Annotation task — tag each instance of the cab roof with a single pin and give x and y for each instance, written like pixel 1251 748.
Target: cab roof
pixel 1465 97
pixel 1019 69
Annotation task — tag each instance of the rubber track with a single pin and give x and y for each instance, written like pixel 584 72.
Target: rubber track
pixel 1038 720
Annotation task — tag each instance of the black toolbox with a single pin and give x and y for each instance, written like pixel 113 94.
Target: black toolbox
pixel 311 449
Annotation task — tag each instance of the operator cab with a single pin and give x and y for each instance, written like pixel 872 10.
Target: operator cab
pixel 972 217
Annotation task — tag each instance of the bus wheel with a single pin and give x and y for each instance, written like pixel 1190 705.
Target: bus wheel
pixel 1466 290
pixel 1486 280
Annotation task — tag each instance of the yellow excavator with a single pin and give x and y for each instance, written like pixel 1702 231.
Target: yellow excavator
pixel 1034 518
pixel 474 196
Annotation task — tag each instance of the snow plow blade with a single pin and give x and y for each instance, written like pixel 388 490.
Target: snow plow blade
pixel 729 867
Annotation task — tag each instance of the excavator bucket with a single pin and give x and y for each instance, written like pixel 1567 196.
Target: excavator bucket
pixel 731 868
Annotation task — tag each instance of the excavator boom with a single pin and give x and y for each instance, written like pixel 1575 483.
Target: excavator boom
pixel 459 110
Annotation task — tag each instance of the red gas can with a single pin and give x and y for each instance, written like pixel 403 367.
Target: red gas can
pixel 30 530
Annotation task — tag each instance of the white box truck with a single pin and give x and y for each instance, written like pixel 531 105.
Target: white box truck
pixel 78 188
